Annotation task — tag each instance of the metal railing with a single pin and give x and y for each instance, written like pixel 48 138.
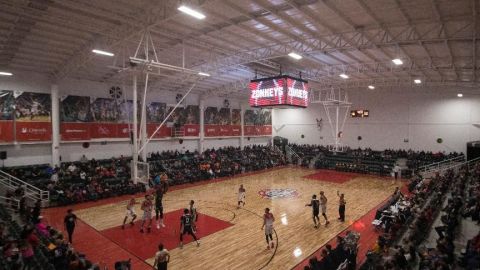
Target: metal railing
pixel 31 191
pixel 439 165
pixel 291 153
pixel 455 165
pixel 10 203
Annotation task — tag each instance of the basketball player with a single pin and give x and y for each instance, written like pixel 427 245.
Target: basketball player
pixel 268 220
pixel 315 204
pixel 186 226
pixel 241 196
pixel 323 206
pixel 193 213
pixel 160 190
pixel 130 212
pixel 147 213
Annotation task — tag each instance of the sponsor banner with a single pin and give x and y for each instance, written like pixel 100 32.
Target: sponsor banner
pixel 236 130
pixel 192 130
pixel 267 130
pixel 212 130
pixel 75 131
pixel 6 131
pixel 249 130
pixel 257 130
pixel 162 133
pixel 225 130
pixel 123 131
pixel 33 131
pixel 103 130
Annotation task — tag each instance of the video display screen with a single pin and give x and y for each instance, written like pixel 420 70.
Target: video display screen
pixel 278 91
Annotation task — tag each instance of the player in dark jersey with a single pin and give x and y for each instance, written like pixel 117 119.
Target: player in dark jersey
pixel 315 204
pixel 186 226
pixel 160 190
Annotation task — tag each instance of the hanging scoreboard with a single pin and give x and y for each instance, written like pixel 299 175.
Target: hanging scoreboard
pixel 281 91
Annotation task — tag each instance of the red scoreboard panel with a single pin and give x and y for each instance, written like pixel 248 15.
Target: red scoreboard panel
pixel 278 91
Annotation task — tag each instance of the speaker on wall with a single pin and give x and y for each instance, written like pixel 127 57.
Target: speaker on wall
pixel 3 155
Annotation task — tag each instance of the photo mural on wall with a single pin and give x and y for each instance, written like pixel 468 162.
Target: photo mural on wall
pixel 32 116
pixel 258 122
pixel 7 108
pixel 75 118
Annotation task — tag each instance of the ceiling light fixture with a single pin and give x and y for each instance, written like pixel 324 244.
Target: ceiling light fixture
pixel 459 95
pixel 397 61
pixel 191 12
pixel 102 52
pixel 371 87
pixel 3 73
pixel 417 81
pixel 203 74
pixel 295 56
pixel 345 76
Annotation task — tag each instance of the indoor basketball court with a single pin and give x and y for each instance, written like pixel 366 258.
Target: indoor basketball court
pixel 231 238
pixel 245 124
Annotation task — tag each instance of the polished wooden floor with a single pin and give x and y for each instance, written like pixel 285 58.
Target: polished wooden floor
pixel 243 246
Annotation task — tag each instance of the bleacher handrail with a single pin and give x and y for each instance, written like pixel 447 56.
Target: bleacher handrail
pixel 31 191
pixel 8 202
pixel 290 149
pixel 442 163
pixel 455 165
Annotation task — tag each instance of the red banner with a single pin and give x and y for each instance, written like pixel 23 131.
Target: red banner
pixel 6 131
pixel 103 130
pixel 33 131
pixel 75 131
pixel 123 131
pixel 236 130
pixel 257 130
pixel 162 133
pixel 225 130
pixel 192 130
pixel 212 130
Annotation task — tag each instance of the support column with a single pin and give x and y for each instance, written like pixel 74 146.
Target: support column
pixel 273 134
pixel 134 172
pixel 202 125
pixel 144 130
pixel 242 123
pixel 55 126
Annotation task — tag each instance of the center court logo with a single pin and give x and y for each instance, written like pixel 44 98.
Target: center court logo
pixel 278 193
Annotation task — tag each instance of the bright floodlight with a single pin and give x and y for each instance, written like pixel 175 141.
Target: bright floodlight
pixel 397 61
pixel 417 81
pixel 3 73
pixel 459 95
pixel 295 55
pixel 203 74
pixel 103 52
pixel 343 75
pixel 371 87
pixel 191 12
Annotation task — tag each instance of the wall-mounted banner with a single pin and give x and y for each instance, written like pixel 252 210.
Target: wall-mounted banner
pixel 32 117
pixel 7 107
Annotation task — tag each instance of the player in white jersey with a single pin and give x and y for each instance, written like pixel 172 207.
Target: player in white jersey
pixel 147 207
pixel 130 212
pixel 194 214
pixel 268 220
pixel 241 196
pixel 323 207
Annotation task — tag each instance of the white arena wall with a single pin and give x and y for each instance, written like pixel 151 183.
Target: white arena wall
pixel 40 153
pixel 399 119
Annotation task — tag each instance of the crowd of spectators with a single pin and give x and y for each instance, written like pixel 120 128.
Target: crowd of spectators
pixel 190 167
pixel 88 180
pixel 28 243
pixel 343 256
pixel 403 232
pixel 364 160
